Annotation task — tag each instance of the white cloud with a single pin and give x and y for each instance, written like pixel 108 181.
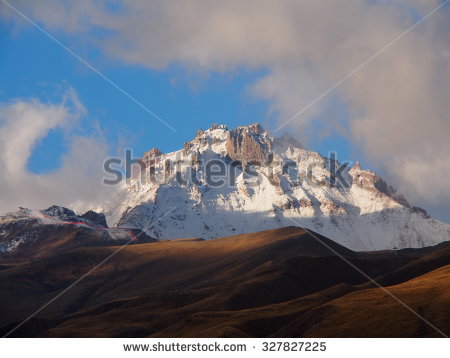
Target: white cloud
pixel 398 104
pixel 76 184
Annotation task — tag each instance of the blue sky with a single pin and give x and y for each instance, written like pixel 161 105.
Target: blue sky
pixel 34 66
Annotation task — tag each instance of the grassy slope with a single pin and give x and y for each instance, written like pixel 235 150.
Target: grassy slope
pixel 274 283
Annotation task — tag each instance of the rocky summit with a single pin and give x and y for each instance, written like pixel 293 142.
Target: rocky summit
pixel 226 182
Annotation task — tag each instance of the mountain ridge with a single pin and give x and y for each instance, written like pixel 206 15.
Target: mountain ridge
pixel 40 233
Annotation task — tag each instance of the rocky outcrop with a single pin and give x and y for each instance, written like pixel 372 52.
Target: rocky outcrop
pixel 39 233
pixel 152 153
pixel 95 218
pixel 331 208
pixel 61 213
pixel 246 144
pixel 167 168
pixel 151 157
pixel 420 211
pixel 200 133
pixel 67 215
pixel 368 180
pixel 218 126
pixel 187 148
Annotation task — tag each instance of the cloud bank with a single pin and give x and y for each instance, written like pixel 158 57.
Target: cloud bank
pixel 398 109
pixel 76 184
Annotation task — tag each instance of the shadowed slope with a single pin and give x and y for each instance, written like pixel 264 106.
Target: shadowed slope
pixel 245 285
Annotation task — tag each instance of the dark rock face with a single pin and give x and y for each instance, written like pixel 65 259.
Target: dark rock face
pixel 421 211
pixel 247 145
pixel 95 218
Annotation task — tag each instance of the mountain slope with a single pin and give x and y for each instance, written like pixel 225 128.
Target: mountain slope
pixel 35 234
pixel 373 313
pixel 280 282
pixel 267 183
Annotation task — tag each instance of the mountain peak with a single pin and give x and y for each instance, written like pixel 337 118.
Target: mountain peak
pixel 230 181
pixel 217 126
pixel 249 143
pixel 254 128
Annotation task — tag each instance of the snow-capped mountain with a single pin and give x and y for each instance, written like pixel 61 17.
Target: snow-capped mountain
pixel 269 183
pixel 38 233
